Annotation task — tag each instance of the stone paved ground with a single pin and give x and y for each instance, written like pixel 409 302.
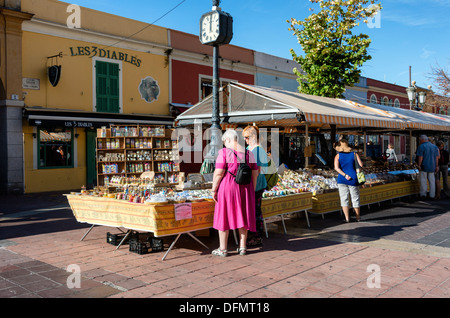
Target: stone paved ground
pixel 406 240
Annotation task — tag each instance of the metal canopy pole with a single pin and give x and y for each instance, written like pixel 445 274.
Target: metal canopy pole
pixel 410 147
pixel 306 144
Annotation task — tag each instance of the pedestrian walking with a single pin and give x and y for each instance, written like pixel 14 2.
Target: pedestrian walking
pixel 427 161
pixel 251 136
pixel 235 203
pixel 344 164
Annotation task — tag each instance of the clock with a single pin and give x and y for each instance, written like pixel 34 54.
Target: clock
pixel 216 28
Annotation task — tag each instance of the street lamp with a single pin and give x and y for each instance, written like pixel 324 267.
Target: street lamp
pixel 416 99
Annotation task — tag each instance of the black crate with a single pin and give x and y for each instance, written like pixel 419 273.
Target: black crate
pixel 157 245
pixel 150 245
pixel 115 239
pixel 140 248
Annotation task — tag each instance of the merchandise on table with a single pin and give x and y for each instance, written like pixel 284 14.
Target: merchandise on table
pixel 291 182
pixel 138 190
pixel 319 181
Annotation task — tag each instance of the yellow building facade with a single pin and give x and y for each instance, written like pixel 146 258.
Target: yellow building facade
pixel 82 69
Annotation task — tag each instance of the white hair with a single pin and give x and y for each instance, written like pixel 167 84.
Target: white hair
pixel 423 137
pixel 230 134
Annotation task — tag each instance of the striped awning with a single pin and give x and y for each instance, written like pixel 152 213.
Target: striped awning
pixel 274 107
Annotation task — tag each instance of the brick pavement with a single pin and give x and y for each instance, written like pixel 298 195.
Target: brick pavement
pixel 407 240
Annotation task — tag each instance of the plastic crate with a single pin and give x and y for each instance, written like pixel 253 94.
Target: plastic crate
pixel 157 245
pixel 115 239
pixel 150 245
pixel 140 248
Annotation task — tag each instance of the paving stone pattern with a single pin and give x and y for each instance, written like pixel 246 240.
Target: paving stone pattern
pixel 408 240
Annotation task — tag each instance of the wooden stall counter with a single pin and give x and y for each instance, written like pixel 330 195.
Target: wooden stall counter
pixel 274 206
pixel 330 202
pixel 158 219
pixel 161 220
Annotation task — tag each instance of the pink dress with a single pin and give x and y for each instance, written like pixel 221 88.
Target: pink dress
pixel 235 206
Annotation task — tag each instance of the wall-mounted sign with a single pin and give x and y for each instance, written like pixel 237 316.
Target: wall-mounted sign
pixel 149 89
pixel 93 51
pixel 31 83
pixel 54 74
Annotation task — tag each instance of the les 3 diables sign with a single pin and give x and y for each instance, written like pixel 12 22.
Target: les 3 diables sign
pixel 93 51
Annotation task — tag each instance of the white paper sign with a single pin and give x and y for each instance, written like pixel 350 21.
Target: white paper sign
pixel 183 211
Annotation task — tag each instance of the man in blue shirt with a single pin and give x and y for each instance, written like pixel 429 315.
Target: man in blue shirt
pixel 428 156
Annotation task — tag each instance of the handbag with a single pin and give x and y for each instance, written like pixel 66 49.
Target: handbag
pixel 359 173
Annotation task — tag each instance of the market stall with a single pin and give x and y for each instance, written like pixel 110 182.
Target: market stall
pixel 178 213
pixel 161 219
pixel 306 115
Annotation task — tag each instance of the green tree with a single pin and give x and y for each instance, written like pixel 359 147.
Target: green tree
pixel 333 54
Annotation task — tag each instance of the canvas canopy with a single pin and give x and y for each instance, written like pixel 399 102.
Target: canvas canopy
pixel 242 103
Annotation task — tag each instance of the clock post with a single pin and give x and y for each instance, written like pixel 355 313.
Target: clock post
pixel 216 28
pixel 216 80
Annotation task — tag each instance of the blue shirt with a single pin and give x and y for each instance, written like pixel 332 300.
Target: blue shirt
pixel 347 164
pixel 262 161
pixel 429 152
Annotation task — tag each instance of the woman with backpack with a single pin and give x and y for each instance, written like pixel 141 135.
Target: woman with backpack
pixel 233 188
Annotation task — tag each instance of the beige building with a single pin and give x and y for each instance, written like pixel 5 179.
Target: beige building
pixel 65 71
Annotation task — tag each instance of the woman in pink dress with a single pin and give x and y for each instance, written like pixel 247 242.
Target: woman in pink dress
pixel 235 203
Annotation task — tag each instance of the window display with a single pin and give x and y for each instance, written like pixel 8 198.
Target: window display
pixel 55 147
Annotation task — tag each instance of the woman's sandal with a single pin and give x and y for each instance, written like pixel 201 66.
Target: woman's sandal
pixel 219 252
pixel 242 251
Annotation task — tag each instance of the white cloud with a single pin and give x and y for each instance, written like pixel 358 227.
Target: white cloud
pixel 426 53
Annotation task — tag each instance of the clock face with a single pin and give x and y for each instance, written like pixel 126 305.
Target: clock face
pixel 210 27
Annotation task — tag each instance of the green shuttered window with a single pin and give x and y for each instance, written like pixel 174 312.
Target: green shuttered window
pixel 108 91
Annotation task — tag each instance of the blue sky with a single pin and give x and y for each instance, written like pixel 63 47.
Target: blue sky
pixel 411 32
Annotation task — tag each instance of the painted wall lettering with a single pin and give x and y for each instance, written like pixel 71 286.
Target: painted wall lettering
pixel 93 51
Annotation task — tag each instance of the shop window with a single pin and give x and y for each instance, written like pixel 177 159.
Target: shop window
pixel 55 147
pixel 107 87
pixel 207 87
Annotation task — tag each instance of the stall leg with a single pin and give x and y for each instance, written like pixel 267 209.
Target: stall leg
pixel 196 239
pixel 235 238
pixel 123 240
pixel 284 225
pixel 307 218
pixel 171 246
pixel 265 227
pixel 87 232
pixel 176 239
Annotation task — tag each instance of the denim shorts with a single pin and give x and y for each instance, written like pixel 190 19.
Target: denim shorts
pixel 345 190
